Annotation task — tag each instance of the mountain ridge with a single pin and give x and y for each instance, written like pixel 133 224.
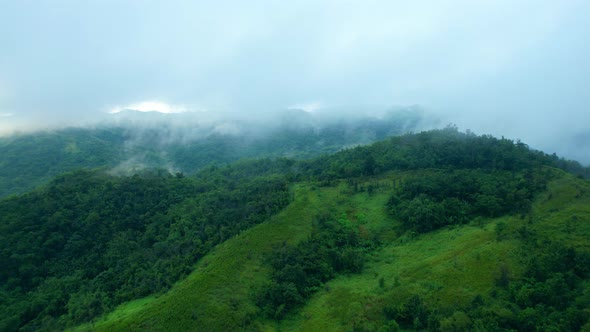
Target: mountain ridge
pixel 96 240
pixel 182 145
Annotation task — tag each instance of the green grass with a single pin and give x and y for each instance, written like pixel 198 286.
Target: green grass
pixel 124 310
pixel 447 268
pixel 562 213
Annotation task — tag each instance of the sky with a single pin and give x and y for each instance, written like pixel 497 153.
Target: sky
pixel 518 69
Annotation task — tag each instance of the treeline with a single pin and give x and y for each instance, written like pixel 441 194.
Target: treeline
pixel 90 241
pixel 27 161
pixel 446 148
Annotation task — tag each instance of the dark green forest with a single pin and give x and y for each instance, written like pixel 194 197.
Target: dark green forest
pixel 91 239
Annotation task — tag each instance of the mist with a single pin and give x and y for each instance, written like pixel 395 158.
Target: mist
pixel 513 69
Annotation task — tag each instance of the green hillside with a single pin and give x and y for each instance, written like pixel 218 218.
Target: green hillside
pixel 89 240
pixel 26 161
pixel 471 277
pixel 441 231
pixel 457 278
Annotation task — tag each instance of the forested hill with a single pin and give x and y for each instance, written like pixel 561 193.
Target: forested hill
pixel 445 148
pixel 140 141
pixel 27 161
pixel 89 241
pixel 76 248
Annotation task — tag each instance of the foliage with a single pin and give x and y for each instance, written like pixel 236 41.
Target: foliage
pixel 554 300
pixel 446 148
pixel 451 197
pixel 29 160
pixel 89 241
pixel 299 271
pixel 463 279
pixel 552 295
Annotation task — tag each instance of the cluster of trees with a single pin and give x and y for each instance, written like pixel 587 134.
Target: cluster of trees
pixel 89 241
pixel 552 296
pixel 335 247
pixel 439 198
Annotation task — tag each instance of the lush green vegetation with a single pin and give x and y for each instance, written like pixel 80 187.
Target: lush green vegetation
pixel 27 161
pixel 452 197
pixel 335 246
pixel 552 295
pixel 89 241
pixel 440 230
pixel 441 149
pixel 455 278
pixel 522 273
pixel 221 293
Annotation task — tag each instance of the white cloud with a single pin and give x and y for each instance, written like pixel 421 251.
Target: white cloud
pixel 227 129
pixel 307 107
pixel 150 106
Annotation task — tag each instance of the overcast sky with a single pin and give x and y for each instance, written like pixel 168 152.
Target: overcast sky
pixel 514 68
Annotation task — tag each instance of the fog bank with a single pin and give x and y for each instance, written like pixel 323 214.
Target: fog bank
pixel 517 69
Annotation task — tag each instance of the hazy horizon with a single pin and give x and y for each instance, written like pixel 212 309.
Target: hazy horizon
pixel 514 69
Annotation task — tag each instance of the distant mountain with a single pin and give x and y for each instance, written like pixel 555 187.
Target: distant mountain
pixel 187 142
pixel 27 161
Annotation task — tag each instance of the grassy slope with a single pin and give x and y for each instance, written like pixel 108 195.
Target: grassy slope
pixel 448 268
pixel 563 212
pixel 219 294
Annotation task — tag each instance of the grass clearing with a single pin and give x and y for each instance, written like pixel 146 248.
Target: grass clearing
pixel 448 268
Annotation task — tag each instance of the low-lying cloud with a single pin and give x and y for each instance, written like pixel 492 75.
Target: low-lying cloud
pixel 150 106
pixel 517 69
